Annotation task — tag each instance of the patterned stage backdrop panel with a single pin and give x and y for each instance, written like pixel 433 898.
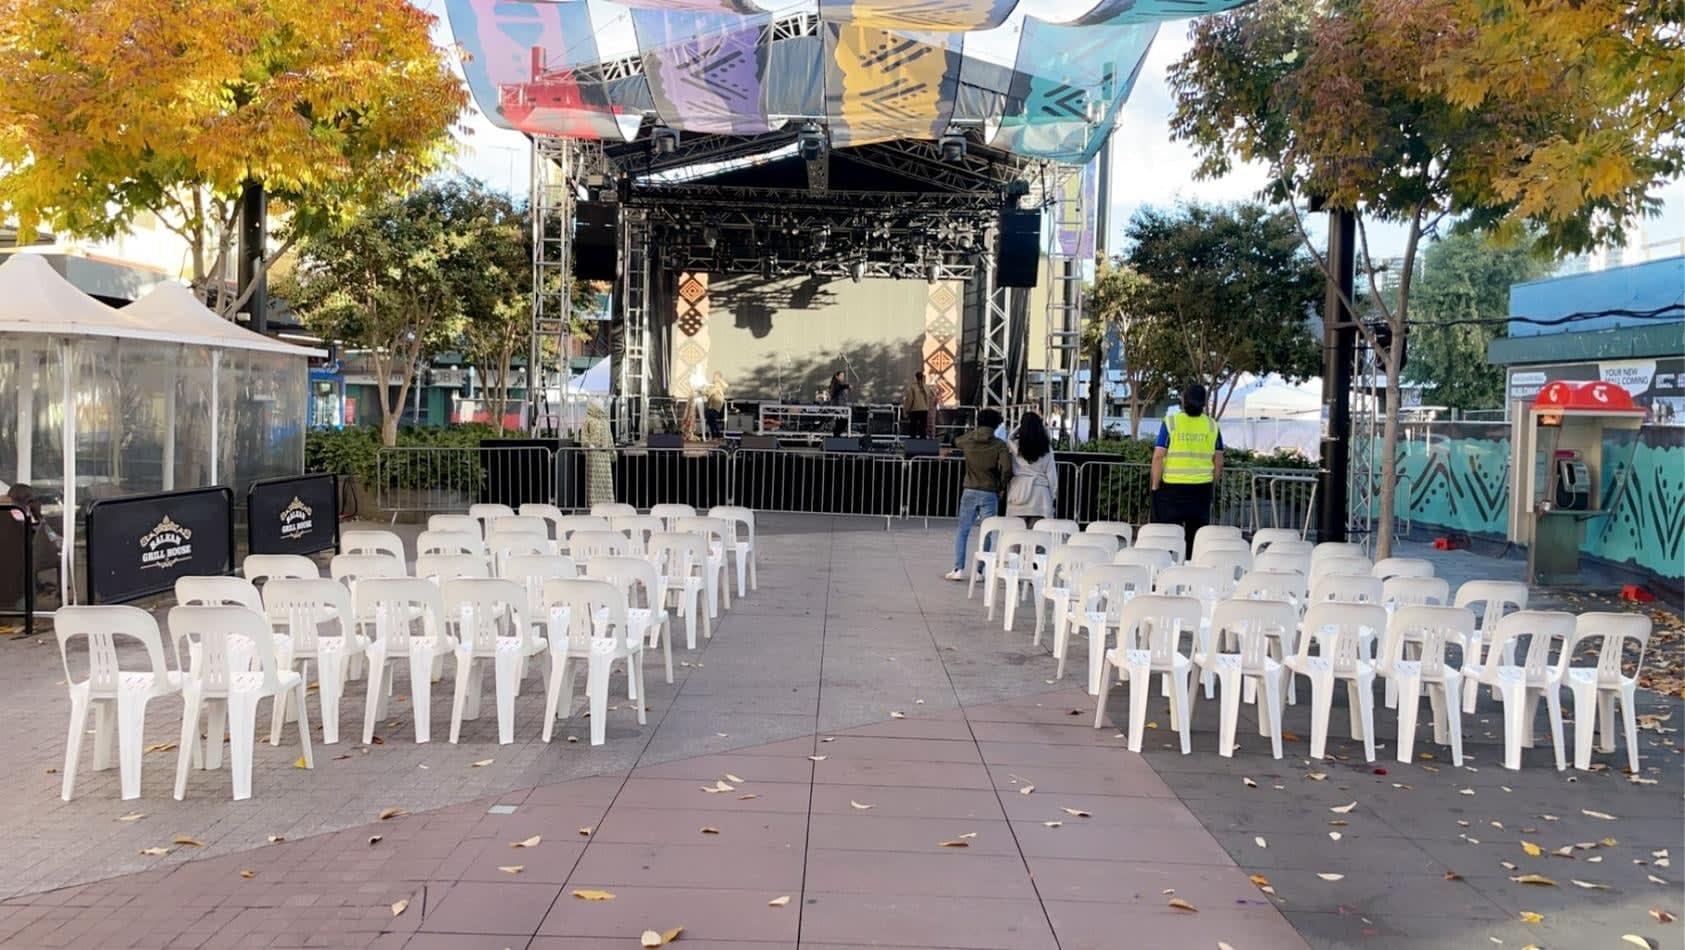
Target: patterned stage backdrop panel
pixel 942 321
pixel 690 319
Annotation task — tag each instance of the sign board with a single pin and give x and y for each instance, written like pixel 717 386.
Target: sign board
pixel 294 515
pixel 1656 385
pixel 140 544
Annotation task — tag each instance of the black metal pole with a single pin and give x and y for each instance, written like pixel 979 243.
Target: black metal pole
pixel 1339 338
pixel 254 212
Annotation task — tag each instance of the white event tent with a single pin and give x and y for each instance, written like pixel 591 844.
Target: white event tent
pixel 158 396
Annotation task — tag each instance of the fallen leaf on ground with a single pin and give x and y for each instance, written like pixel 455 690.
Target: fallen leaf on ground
pixel 1076 813
pixel 1662 915
pixel 829 739
pixel 398 907
pixel 393 812
pixel 1465 791
pixel 1589 885
pixel 710 830
pixel 650 939
pixel 1223 946
pixel 1654 879
pixel 155 852
pixel 527 842
pixel 159 747
pixel 1597 814
pixel 585 832
pixel 1453 876
pixel 1332 877
pixel 190 842
pixel 897 715
pixel 1532 849
pixel 857 805
pixel 133 816
pixel 1026 790
pixel 954 844
pixel 1249 783
pixel 668 936
pixel 483 763
pixel 1260 880
pixel 718 787
pixel 1339 822
pixel 817 758
pixel 299 763
pixel 1052 824
pixel 511 868
pixel 1317 776
pixel 375 839
pixel 1539 879
pixel 1343 809
pixel 276 839
pixel 1506 865
pixel 778 901
pixel 1635 940
pixel 744 798
pixel 1290 737
pixel 1528 917
pixel 248 875
pixel 1176 903
pixel 969 835
pixel 1566 851
pixel 732 778
pixel 594 895
pixel 1335 836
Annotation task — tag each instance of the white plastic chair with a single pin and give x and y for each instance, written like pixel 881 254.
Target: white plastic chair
pixel 1285 586
pixel 532 571
pixel 1597 689
pixel 1432 629
pixel 1101 591
pixel 517 525
pixel 372 542
pixel 1328 549
pixel 1063 563
pixel 585 545
pixel 1341 565
pixel 741 542
pixel 1491 600
pixel 1153 542
pixel 550 513
pixel 1059 529
pixel 1020 557
pixel 681 559
pixel 449 542
pixel 504 547
pixel 492 627
pixel 1232 559
pixel 1152 559
pixel 117 695
pixel 1161 619
pixel 397 604
pixel 1254 625
pixel 637 529
pixel 988 539
pixel 646 597
pixel 1389 567
pixel 567 527
pixel 1273 560
pixel 1302 549
pixel 715 532
pixel 300 605
pixel 1522 686
pixel 1346 589
pixel 613 509
pixel 439 568
pixel 1205 537
pixel 487 513
pixel 1163 532
pixel 1339 631
pixel 588 622
pixel 671 513
pixel 1208 585
pixel 1106 544
pixel 456 524
pixel 221 682
pixel 349 568
pixel 1264 537
pixel 258 568
pixel 1122 530
pixel 1415 591
pixel 214 591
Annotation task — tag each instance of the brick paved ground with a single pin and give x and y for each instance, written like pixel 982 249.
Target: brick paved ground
pixel 850 626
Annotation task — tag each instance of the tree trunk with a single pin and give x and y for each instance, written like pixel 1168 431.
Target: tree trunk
pixel 1387 461
pixel 388 427
pixel 1096 391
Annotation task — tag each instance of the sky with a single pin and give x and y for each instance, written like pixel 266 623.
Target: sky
pixel 1149 168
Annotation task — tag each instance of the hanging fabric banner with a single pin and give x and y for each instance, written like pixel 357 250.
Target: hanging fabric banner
pixel 887 84
pixel 1070 82
pixel 705 70
pixel 918 14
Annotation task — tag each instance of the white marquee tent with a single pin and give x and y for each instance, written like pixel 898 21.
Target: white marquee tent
pixel 157 396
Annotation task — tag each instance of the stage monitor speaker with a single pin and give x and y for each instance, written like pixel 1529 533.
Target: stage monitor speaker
pixel 914 448
pixel 666 440
pixel 596 242
pixel 1018 251
pixel 841 444
pixel 759 442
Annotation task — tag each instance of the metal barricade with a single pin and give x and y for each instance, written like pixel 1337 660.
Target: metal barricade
pixel 424 479
pixel 1283 499
pixel 823 483
pixel 1112 491
pixel 931 486
pixel 699 476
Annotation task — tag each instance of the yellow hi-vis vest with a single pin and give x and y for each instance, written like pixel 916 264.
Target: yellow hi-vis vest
pixel 1193 445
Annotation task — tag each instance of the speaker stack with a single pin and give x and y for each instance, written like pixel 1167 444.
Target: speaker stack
pixel 1018 251
pixel 596 242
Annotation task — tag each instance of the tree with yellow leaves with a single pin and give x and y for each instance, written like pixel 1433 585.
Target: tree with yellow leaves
pixel 1546 122
pixel 114 108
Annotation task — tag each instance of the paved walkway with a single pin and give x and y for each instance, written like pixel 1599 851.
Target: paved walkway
pixel 863 715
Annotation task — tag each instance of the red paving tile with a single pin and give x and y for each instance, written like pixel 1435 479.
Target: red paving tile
pixel 790 826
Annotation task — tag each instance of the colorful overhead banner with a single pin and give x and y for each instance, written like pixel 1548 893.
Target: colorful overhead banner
pixel 918 14
pixel 888 85
pixel 704 69
pixel 1065 109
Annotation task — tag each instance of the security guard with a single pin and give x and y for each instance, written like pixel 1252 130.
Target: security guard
pixel 1187 460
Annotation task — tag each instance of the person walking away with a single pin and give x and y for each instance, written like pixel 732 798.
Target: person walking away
pixel 598 440
pixel 916 405
pixel 1035 486
pixel 715 409
pixel 988 467
pixel 838 396
pixel 1187 461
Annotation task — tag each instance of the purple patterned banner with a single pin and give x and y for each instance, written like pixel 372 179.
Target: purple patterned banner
pixel 704 69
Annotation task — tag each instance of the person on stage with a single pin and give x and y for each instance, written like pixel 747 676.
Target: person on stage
pixel 1035 482
pixel 916 405
pixel 988 467
pixel 714 411
pixel 1187 461
pixel 838 396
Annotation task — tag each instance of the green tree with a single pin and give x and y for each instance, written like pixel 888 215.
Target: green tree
pixel 1114 306
pixel 1551 119
pixel 114 108
pixel 1462 298
pixel 397 282
pixel 1236 285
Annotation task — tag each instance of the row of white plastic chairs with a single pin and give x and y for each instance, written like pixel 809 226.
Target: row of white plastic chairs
pixel 1394 638
pixel 225 639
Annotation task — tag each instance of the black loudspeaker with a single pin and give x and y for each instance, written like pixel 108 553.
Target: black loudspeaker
pixel 666 440
pixel 596 242
pixel 760 443
pixel 913 448
pixel 835 444
pixel 1018 252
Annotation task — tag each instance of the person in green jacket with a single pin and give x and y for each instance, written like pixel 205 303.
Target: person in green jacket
pixel 988 470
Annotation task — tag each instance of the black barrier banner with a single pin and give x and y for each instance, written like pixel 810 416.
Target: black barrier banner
pixel 17 564
pixel 298 514
pixel 139 545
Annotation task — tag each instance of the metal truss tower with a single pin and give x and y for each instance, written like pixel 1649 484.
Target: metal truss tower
pixel 1363 476
pixel 558 166
pixel 1063 357
pixel 635 275
pixel 997 330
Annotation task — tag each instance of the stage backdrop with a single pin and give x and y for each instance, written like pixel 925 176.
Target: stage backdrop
pixel 784 338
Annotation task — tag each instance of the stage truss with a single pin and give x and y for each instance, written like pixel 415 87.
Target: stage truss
pixel 685 205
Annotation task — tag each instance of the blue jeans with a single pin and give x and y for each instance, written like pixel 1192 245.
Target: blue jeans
pixel 974 507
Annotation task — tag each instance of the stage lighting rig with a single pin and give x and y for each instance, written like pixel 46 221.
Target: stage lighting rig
pixel 857 271
pixel 664 140
pixel 810 142
pixel 952 146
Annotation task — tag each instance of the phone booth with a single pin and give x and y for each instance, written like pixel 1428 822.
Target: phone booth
pixel 1560 470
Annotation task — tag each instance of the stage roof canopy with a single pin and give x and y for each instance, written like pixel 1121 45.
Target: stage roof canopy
pixel 1034 78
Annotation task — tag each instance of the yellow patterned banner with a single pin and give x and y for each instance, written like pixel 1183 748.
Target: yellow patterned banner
pixel 919 14
pixel 888 84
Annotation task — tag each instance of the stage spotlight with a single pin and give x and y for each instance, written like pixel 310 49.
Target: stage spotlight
pixel 857 271
pixel 810 142
pixel 665 140
pixel 767 265
pixel 953 147
pixel 711 238
pixel 932 274
pixel 1016 190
